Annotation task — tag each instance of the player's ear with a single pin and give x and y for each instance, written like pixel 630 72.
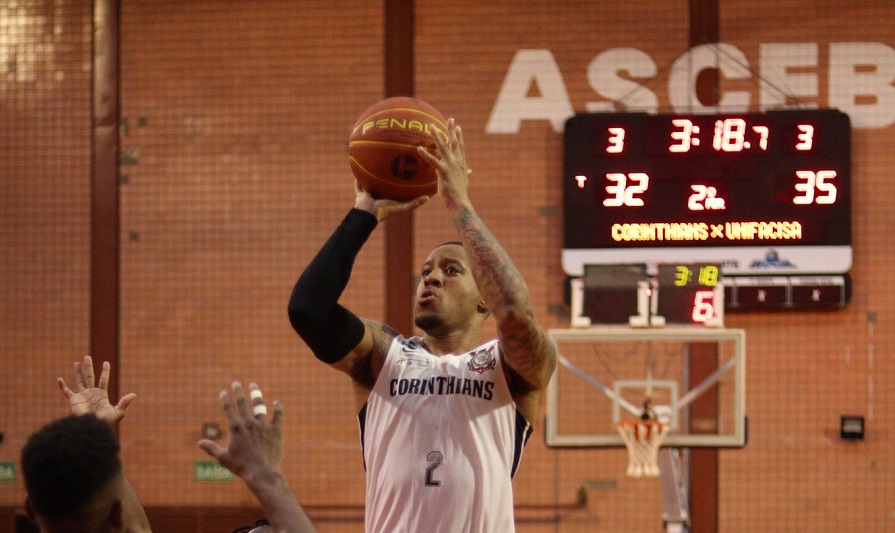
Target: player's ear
pixel 29 509
pixel 116 515
pixel 482 309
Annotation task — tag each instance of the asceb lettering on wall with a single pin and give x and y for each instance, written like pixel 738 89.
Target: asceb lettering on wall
pixel 859 82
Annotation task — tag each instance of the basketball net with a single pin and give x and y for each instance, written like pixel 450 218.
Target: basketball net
pixel 643 438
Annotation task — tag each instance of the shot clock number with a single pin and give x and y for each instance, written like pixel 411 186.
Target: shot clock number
pixel 703 306
pixel 704 299
pixel 687 291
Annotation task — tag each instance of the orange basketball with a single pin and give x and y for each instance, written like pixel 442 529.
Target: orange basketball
pixel 382 148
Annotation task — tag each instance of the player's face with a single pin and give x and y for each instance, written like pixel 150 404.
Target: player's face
pixel 102 514
pixel 446 297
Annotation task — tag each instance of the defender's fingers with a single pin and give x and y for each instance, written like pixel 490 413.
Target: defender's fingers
pixel 229 410
pixel 64 388
pixel 89 378
pixel 259 409
pixel 242 403
pixel 277 419
pixel 212 448
pixel 104 376
pixel 124 402
pixel 79 376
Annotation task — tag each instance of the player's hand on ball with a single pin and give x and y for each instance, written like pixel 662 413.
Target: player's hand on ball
pixel 453 174
pixel 383 209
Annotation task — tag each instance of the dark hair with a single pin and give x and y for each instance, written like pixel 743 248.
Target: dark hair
pixel 67 463
pixel 248 529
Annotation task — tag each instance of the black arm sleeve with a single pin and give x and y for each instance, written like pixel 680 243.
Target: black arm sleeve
pixel 330 330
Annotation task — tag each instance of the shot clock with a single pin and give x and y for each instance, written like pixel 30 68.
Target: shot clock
pixel 689 293
pixel 680 294
pixel 734 189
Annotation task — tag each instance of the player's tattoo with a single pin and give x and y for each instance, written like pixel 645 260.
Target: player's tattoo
pixel 384 340
pixel 364 373
pixel 528 349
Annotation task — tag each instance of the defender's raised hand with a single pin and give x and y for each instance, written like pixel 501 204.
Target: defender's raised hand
pixel 92 397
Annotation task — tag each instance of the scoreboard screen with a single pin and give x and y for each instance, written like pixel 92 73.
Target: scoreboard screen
pixel 749 191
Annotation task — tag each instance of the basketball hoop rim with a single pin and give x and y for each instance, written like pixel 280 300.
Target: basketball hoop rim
pixel 650 425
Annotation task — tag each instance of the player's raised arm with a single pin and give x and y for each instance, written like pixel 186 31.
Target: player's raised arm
pixel 335 334
pixel 524 342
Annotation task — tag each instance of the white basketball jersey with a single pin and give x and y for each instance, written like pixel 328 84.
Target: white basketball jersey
pixel 441 439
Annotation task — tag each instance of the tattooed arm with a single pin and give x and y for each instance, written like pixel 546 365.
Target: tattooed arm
pixel 524 343
pixel 364 362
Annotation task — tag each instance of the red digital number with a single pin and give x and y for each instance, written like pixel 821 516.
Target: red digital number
pixel 815 187
pixel 616 140
pixel 703 306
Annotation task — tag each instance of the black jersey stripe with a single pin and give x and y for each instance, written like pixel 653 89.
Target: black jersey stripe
pixel 523 433
pixel 362 425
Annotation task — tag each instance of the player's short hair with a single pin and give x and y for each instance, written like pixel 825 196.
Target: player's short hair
pixel 67 463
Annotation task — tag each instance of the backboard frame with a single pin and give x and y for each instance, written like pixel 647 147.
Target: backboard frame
pixel 684 334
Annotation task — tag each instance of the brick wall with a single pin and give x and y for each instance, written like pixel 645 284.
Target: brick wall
pixel 234 121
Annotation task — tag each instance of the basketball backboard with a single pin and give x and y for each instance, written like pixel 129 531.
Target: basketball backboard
pixel 694 378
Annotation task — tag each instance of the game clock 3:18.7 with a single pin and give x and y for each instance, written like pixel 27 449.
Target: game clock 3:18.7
pixel 655 183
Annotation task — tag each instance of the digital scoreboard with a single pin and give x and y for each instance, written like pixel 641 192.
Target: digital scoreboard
pixel 758 193
pixel 764 198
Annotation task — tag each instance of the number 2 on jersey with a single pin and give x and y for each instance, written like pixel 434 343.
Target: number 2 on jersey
pixel 436 458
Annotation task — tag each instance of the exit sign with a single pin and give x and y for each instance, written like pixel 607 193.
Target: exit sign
pixel 211 471
pixel 7 472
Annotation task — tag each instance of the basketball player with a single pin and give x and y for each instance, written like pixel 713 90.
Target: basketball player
pixel 75 480
pixel 73 473
pixel 443 417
